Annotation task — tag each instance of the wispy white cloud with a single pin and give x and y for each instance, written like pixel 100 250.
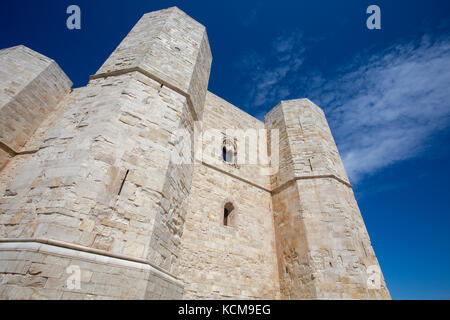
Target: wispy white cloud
pixel 383 108
pixel 388 107
pixel 268 74
pixel 250 16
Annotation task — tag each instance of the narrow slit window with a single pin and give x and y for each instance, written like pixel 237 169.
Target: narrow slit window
pixel 227 213
pixel 229 153
pixel 123 182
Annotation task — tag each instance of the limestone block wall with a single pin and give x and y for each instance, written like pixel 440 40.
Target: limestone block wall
pixel 226 118
pixel 228 262
pixel 34 143
pixel 31 87
pixel 106 175
pixel 237 261
pixel 294 262
pixel 275 120
pixel 339 245
pixel 69 190
pixel 312 145
pixel 38 270
pixel 306 137
pixel 322 244
pixel 172 48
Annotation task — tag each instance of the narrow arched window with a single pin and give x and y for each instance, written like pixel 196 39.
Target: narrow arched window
pixel 227 213
pixel 229 151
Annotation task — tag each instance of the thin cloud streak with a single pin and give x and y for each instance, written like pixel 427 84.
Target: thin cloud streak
pixel 266 76
pixel 382 108
pixel 386 110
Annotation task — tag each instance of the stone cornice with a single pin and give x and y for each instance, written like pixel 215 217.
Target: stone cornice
pixel 278 188
pixel 14 153
pixel 330 176
pixel 235 176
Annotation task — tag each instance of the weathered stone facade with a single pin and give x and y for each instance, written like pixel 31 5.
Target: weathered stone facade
pixel 99 178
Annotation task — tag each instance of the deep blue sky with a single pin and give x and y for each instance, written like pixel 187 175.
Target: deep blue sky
pixel 385 92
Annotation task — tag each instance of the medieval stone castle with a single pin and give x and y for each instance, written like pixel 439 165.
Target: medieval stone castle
pixel 93 206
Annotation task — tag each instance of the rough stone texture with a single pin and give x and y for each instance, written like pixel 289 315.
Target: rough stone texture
pixel 4 158
pixel 232 122
pixel 323 246
pixel 69 190
pixel 31 86
pixel 33 144
pixel 158 45
pixel 40 271
pixel 238 260
pixel 93 178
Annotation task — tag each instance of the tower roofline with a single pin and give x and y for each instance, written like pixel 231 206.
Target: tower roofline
pixel 300 101
pixel 170 47
pixel 173 9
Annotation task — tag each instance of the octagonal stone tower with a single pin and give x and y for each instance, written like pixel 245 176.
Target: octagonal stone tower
pixel 102 192
pixel 323 248
pixel 171 48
